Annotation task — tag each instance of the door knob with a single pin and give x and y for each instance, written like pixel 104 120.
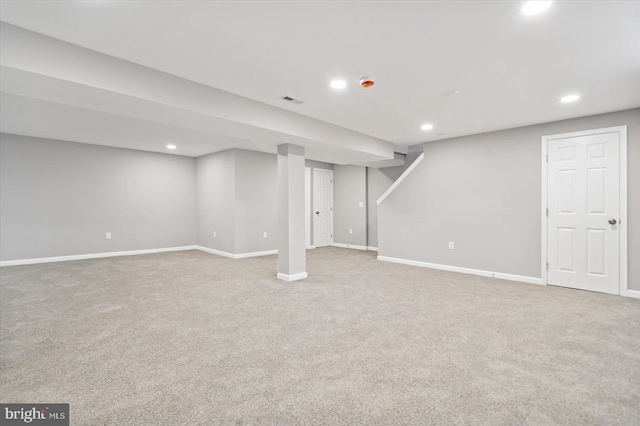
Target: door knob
pixel 613 221
pixel 317 213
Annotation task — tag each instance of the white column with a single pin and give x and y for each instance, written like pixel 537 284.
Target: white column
pixel 292 256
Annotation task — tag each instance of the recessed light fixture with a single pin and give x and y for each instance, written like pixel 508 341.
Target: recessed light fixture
pixel 535 7
pixel 426 126
pixel 569 98
pixel 338 84
pixel 171 146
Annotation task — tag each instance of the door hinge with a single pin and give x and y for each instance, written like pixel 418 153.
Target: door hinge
pixel 547 158
pixel 547 266
pixel 547 212
pixel 331 208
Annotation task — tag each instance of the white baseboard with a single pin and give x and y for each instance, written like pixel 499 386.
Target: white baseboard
pixel 311 247
pixel 91 256
pixel 500 275
pixel 372 248
pixel 349 246
pixel 216 252
pixel 292 277
pixel 632 293
pixel 255 254
pixel 236 256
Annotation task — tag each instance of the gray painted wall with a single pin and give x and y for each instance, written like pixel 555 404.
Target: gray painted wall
pixel 256 207
pixel 60 198
pixel 378 181
pixel 483 193
pixel 350 189
pixel 237 192
pixel 216 201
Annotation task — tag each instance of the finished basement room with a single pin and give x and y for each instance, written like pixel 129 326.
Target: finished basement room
pixel 319 212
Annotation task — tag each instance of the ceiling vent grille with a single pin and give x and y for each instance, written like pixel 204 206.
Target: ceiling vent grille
pixel 292 100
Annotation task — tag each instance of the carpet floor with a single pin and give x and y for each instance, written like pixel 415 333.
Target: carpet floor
pixel 189 338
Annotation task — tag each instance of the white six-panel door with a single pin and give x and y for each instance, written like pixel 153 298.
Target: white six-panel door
pixel 323 207
pixel 583 199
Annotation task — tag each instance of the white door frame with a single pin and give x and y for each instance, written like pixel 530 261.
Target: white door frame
pixel 307 207
pixel 622 131
pixel 314 203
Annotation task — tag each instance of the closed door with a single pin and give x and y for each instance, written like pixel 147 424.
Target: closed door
pixel 583 188
pixel 307 207
pixel 323 207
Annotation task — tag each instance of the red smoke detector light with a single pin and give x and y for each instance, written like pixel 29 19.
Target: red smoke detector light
pixel 366 82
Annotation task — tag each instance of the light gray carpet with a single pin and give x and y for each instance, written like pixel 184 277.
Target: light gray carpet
pixel 189 338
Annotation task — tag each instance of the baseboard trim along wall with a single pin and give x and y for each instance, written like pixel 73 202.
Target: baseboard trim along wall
pixel 236 256
pixel 372 248
pixel 91 256
pixel 349 246
pixel 500 275
pixel 293 277
pixel 632 293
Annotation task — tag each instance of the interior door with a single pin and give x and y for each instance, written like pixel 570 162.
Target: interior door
pixel 323 207
pixel 307 207
pixel 583 188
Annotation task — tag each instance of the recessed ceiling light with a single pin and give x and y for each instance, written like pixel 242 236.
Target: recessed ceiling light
pixel 426 126
pixel 171 146
pixel 535 7
pixel 338 84
pixel 569 98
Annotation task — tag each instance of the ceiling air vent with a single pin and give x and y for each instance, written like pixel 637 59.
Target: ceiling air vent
pixel 292 100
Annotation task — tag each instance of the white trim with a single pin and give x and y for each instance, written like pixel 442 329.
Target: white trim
pixel 624 261
pixel 401 178
pixel 311 247
pixel 236 256
pixel 632 293
pixel 348 246
pixel 92 256
pixel 255 254
pixel 499 275
pixel 372 248
pixel 216 252
pixel 307 206
pixel 292 277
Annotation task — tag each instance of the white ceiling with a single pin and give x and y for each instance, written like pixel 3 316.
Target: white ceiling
pixel 510 69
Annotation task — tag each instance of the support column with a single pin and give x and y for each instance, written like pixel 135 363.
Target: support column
pixel 292 255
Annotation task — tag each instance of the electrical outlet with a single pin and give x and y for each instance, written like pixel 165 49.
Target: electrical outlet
pixel 108 236
pixel 350 231
pixel 264 235
pixel 361 204
pixel 450 245
pixel 215 234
